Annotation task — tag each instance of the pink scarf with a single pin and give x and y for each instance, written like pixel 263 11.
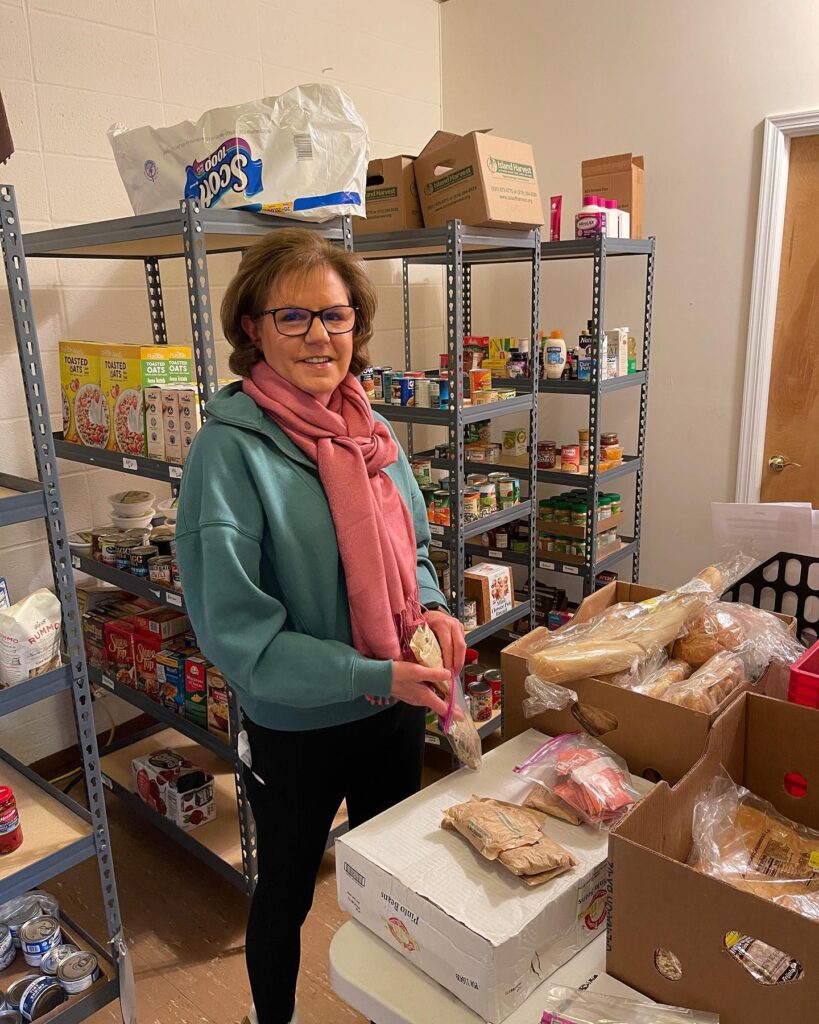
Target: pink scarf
pixel 375 532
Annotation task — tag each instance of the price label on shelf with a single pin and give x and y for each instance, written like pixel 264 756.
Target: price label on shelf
pixel 435 741
pixel 496 554
pixel 172 598
pixel 436 544
pixel 438 531
pixel 546 565
pixel 130 464
pixel 106 781
pixel 75 562
pixel 107 681
pixel 175 472
pixel 571 570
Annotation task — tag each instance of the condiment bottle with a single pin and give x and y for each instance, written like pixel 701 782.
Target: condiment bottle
pixel 11 834
pixel 555 347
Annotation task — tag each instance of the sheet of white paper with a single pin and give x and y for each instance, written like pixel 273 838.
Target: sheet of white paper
pixel 763 529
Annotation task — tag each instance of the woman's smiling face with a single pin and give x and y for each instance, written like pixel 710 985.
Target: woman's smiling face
pixel 316 362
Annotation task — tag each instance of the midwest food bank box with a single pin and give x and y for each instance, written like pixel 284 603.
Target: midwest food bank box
pixel 669 923
pixel 656 738
pixel 467 923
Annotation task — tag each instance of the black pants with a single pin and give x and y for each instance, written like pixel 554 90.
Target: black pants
pixel 374 763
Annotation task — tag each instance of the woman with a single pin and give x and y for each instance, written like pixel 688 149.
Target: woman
pixel 302 541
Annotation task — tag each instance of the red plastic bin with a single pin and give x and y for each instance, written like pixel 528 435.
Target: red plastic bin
pixel 804 680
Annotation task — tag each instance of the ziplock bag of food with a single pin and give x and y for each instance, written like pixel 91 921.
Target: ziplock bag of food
pixel 302 155
pixel 457 725
pixel 744 841
pixel 512 835
pixel 572 1006
pixel 626 634
pixel 582 773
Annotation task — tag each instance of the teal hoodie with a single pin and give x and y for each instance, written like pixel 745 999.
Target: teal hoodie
pixel 262 575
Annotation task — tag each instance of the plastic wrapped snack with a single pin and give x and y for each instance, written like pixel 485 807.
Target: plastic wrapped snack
pixel 582 773
pixel 744 841
pixel 572 1006
pixel 626 635
pixel 457 725
pixel 302 154
pixel 545 696
pixel 511 835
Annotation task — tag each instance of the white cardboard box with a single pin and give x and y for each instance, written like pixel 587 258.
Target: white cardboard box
pixel 468 923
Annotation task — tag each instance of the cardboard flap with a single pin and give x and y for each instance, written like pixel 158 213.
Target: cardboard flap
pixel 610 164
pixel 441 138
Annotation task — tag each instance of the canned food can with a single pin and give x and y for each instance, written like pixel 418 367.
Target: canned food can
pixel 487 397
pixel 54 957
pixel 470 614
pixel 96 539
pixel 14 993
pixel 368 383
pixel 422 395
pixel 476 479
pixel 488 499
pixel 481 695
pixel 429 500
pixel 443 392
pixel 442 507
pixel 479 381
pixel 109 544
pixel 422 471
pixel 7 949
pixel 434 393
pixel 570 458
pixel 124 547
pixel 27 911
pixel 9 1016
pixel 403 391
pixel 176 578
pixel 42 996
pixel 140 556
pixel 386 386
pixel 473 673
pixel 472 505
pixel 440 562
pixel 493 677
pixel 163 537
pixel 38 937
pixel 78 972
pixel 159 570
pixel 509 489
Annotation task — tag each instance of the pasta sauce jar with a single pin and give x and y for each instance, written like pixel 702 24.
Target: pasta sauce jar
pixel 11 835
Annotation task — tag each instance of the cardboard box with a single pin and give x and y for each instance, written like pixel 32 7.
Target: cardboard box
pixel 469 924
pixel 125 372
pixel 621 178
pixel 154 431
pixel 170 675
pixel 617 346
pixel 480 178
pixel 218 705
pixel 171 427
pixel 162 781
pixel 146 647
pixel 656 738
pixel 392 197
pixel 85 412
pixel 164 623
pixel 196 690
pixel 492 587
pixel 658 902
pixel 190 419
pixel 118 657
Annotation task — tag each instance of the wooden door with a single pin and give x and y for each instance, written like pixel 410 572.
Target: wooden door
pixel 792 431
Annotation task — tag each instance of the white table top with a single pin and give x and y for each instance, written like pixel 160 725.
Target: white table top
pixel 387 989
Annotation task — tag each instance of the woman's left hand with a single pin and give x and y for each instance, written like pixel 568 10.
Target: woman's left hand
pixel 450 634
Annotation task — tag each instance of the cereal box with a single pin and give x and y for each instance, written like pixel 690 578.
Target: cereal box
pixel 196 690
pixel 118 659
pixel 218 714
pixel 146 647
pixel 171 426
pixel 86 419
pixel 189 417
pixel 154 431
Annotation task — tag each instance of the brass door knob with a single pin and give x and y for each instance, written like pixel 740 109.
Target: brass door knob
pixel 778 462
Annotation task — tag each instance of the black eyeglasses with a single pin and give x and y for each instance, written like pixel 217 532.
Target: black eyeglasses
pixel 296 322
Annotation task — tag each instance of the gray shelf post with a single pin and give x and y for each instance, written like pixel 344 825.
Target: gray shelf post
pixel 201 312
pixel 455 353
pixel 534 349
pixel 598 366
pixel 407 342
pixel 641 435
pixel 28 348
pixel 155 304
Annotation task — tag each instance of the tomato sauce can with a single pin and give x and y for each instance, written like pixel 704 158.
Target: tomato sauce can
pixel 159 570
pixel 493 677
pixel 481 695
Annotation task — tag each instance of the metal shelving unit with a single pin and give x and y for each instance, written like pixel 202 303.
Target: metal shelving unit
pixel 66 832
pixel 190 233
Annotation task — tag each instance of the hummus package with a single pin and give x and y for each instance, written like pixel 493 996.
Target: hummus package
pixel 29 637
pixel 302 154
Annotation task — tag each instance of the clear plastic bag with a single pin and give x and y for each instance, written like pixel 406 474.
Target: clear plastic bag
pixel 545 696
pixel 744 841
pixel 457 725
pixel 572 1006
pixel 582 773
pixel 627 634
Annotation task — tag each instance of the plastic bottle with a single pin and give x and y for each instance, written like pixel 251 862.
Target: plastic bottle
pixel 555 357
pixel 612 218
pixel 625 224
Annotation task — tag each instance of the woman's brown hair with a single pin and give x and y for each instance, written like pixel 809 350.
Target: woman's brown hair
pixel 280 254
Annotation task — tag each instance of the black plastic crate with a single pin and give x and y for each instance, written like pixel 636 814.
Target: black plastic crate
pixel 786 583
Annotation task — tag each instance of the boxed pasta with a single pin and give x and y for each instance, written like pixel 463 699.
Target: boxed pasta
pixel 739 939
pixel 86 418
pixel 468 923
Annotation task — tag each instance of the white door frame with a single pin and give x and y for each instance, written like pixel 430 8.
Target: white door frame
pixel 770 224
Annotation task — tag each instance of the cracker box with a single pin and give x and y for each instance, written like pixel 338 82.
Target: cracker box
pixel 218 710
pixel 174 787
pixel 392 202
pixel 492 587
pixel 481 933
pixel 481 179
pixel 196 690
pixel 118 658
pixel 86 418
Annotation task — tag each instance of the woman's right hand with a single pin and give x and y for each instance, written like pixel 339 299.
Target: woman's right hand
pixel 410 683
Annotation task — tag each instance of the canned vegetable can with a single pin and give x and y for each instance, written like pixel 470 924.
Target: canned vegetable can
pixel 78 972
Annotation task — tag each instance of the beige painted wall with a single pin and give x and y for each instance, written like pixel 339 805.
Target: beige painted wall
pixel 68 70
pixel 687 85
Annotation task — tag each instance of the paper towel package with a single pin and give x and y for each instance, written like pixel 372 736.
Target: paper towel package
pixel 468 923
